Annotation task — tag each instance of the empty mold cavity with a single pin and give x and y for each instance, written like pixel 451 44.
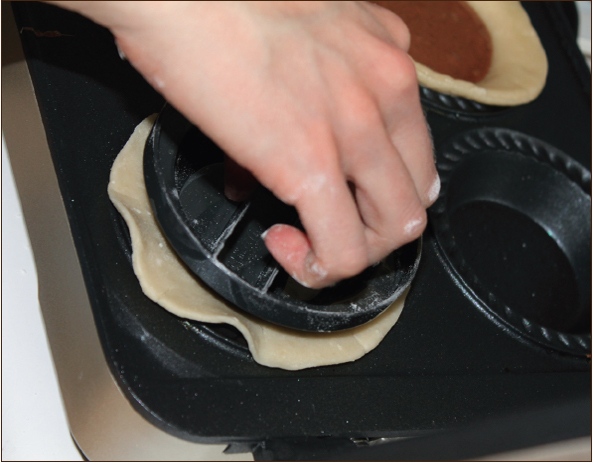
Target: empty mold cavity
pixel 514 221
pixel 524 229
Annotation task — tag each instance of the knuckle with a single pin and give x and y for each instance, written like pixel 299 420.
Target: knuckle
pixel 406 71
pixel 399 72
pixel 293 185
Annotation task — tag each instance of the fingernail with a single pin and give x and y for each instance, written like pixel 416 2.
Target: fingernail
pixel 412 226
pixel 277 226
pixel 303 283
pixel 314 267
pixel 435 189
pixel 121 54
pixel 318 270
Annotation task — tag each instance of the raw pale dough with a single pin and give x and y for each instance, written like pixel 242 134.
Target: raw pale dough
pixel 165 280
pixel 519 65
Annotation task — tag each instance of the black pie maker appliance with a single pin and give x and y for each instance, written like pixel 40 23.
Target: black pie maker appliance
pixel 220 240
pixel 496 330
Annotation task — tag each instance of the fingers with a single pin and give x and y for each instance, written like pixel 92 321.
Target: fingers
pixel 398 100
pixel 411 138
pixel 387 200
pixel 389 204
pixel 385 151
pixel 345 233
pixel 334 246
pixel 409 133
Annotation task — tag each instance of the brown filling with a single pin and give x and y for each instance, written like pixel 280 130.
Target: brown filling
pixel 447 37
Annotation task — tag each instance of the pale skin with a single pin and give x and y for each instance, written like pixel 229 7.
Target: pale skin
pixel 318 100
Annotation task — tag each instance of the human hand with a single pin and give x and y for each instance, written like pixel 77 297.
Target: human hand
pixel 319 101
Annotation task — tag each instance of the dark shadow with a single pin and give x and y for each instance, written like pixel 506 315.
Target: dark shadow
pixel 62 46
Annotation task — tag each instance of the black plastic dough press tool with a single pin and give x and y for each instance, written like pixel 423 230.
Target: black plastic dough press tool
pixel 220 240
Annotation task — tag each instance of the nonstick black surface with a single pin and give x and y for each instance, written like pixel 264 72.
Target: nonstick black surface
pixel 453 357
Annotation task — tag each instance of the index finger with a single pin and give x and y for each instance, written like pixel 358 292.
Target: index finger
pixel 334 247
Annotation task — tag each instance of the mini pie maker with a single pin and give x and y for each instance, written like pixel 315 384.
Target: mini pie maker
pixel 497 320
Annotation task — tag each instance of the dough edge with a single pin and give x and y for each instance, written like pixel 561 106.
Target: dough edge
pixel 165 280
pixel 519 66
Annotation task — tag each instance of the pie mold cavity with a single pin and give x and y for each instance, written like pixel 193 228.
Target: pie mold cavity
pixel 546 190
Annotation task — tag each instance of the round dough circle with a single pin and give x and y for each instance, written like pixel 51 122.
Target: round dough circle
pixel 519 67
pixel 166 281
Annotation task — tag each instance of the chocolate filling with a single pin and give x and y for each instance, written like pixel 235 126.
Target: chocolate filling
pixel 447 37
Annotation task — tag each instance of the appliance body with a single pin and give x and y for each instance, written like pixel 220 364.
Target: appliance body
pixel 97 357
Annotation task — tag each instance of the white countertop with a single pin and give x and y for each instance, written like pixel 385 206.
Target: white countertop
pixel 35 426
